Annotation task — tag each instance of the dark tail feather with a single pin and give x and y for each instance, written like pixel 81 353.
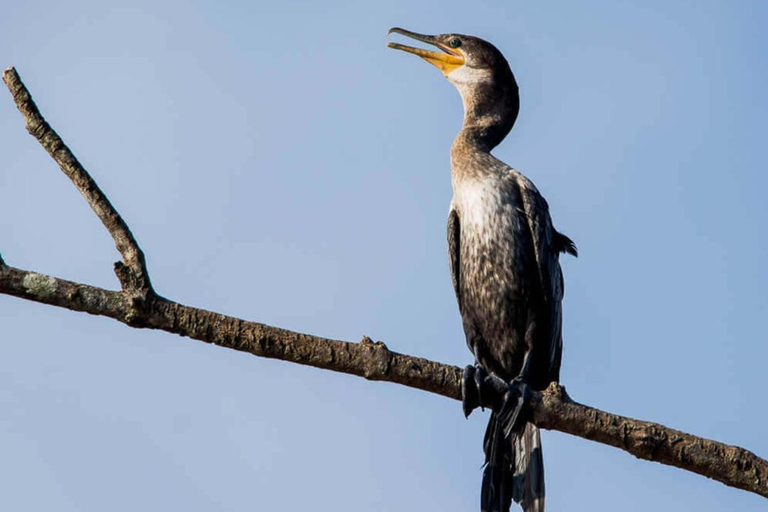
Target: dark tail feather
pixel 564 244
pixel 514 469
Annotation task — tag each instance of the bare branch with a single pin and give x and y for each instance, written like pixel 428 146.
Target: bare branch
pixel 132 272
pixel 731 465
pixel 551 409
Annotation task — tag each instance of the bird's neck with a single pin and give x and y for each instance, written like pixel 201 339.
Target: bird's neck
pixel 490 111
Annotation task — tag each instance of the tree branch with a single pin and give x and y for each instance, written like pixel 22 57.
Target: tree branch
pixel 137 306
pixel 132 272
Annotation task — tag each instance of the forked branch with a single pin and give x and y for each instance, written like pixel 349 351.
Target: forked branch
pixel 138 306
pixel 132 272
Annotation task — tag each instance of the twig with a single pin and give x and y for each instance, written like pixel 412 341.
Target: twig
pixel 132 272
pixel 551 409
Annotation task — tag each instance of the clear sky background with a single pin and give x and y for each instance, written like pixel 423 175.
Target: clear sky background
pixel 278 163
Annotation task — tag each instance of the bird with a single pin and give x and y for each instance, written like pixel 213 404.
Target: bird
pixel 504 262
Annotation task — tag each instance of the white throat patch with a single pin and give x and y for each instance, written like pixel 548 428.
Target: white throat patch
pixel 466 75
pixel 465 78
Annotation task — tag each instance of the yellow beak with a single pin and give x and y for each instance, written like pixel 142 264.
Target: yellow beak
pixel 446 60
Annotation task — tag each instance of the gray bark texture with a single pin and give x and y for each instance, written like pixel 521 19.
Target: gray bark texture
pixel 137 305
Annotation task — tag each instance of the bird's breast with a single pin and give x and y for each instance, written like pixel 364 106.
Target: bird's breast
pixel 497 265
pixel 490 213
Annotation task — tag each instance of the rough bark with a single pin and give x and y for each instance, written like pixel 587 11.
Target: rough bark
pixel 132 272
pixel 138 306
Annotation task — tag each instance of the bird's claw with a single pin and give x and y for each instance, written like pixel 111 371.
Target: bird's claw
pixel 471 384
pixel 518 394
pixel 481 389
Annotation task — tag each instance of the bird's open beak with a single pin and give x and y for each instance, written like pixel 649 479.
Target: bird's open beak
pixel 447 60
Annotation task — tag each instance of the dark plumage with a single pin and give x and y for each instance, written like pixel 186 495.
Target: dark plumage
pixel 504 260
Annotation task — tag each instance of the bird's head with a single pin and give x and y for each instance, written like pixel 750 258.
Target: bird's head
pixel 462 59
pixel 480 73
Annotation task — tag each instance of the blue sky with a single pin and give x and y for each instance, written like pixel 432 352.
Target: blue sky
pixel 278 163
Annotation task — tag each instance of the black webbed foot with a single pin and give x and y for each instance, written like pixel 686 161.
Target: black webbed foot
pixel 481 389
pixel 470 388
pixel 510 414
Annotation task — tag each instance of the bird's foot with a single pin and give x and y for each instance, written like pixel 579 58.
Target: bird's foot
pixel 511 415
pixel 470 388
pixel 481 389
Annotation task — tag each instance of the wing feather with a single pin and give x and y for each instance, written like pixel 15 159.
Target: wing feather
pixel 454 253
pixel 547 244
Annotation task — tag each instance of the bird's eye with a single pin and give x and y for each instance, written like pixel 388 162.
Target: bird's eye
pixel 455 42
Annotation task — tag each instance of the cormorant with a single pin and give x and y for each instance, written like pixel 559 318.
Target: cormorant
pixel 504 260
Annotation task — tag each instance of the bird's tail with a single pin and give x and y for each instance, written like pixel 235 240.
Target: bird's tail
pixel 514 468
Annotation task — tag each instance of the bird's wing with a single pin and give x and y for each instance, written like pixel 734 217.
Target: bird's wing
pixel 454 253
pixel 543 235
pixel 547 244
